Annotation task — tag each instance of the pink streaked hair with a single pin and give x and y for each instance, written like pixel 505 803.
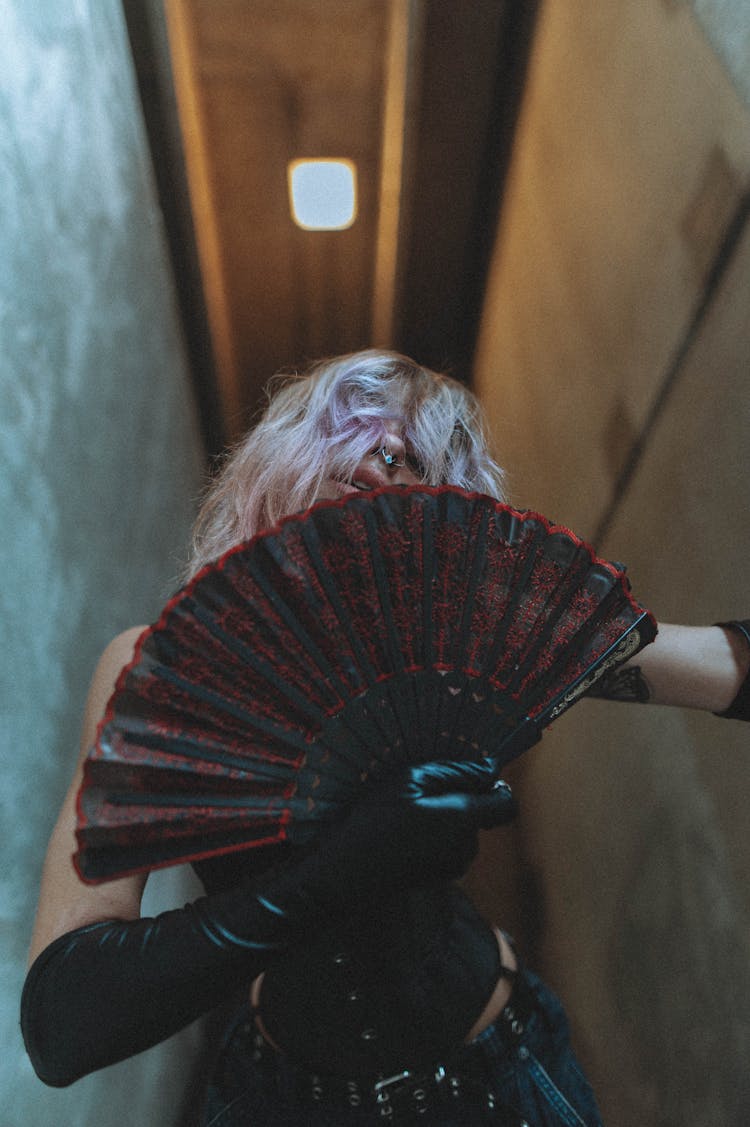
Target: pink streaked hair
pixel 322 423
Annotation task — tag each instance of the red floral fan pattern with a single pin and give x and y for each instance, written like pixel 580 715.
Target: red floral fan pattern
pixel 403 625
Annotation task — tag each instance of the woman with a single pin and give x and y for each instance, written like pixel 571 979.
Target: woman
pixel 368 988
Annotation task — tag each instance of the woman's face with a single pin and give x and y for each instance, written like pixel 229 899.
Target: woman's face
pixel 387 465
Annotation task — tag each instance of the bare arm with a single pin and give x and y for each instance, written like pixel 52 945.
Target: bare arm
pixel 695 666
pixel 688 666
pixel 65 902
pixel 103 982
pixel 106 983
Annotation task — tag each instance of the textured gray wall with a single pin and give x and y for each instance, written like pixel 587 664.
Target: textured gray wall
pixel 727 25
pixel 101 460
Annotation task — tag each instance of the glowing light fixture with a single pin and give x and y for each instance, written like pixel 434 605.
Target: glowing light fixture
pixel 323 194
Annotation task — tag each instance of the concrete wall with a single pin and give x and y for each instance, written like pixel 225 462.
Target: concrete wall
pixel 727 26
pixel 101 461
pixel 603 337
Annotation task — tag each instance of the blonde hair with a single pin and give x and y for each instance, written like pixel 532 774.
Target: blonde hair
pixel 322 423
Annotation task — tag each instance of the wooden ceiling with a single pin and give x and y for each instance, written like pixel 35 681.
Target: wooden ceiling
pixel 422 95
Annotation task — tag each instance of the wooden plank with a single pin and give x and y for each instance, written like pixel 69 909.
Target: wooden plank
pixel 259 86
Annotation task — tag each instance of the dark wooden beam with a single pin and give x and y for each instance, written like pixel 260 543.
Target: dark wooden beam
pixel 150 48
pixel 473 69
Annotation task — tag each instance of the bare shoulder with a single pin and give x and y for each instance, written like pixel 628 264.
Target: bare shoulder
pixel 122 645
pixel 115 657
pixel 65 902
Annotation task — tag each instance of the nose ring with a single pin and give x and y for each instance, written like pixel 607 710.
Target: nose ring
pixel 388 457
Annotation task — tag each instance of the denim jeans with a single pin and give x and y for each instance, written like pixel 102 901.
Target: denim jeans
pixel 537 1081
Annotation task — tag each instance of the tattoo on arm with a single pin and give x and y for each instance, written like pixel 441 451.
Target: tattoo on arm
pixel 624 684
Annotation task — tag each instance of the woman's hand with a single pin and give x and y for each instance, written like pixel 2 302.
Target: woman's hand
pixel 418 826
pixel 432 813
pixel 89 997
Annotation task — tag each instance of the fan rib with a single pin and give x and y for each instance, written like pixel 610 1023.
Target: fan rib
pixel 476 557
pixel 610 607
pixel 228 706
pixel 568 584
pixel 247 654
pixel 519 589
pixel 473 567
pixel 424 703
pixel 310 648
pixel 427 622
pixel 311 539
pixel 632 639
pixel 372 731
pixel 396 656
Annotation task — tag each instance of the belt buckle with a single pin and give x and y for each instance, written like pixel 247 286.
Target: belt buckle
pixel 393 1085
pixel 383 1090
pixel 382 1095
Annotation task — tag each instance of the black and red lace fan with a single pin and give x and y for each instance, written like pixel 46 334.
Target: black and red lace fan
pixel 398 626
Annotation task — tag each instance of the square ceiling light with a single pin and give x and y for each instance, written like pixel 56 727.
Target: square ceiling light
pixel 323 194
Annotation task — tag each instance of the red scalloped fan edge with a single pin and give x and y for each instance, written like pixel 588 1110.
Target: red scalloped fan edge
pixel 219 563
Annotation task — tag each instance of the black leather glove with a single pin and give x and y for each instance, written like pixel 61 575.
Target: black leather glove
pixel 101 993
pixel 104 992
pixel 739 709
pixel 415 827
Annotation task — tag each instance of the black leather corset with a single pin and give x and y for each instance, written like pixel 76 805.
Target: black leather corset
pixel 398 988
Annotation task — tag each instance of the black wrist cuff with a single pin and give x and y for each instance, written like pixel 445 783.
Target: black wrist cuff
pixel 739 709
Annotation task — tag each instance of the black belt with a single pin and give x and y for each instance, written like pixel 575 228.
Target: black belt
pixel 408 1096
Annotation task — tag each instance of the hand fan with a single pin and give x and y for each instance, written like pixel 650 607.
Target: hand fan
pixel 385 628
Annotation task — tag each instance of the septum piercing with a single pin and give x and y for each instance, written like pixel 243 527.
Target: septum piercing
pixel 388 458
